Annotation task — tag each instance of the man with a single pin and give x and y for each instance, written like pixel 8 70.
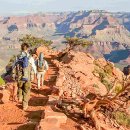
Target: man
pixel 42 67
pixel 22 73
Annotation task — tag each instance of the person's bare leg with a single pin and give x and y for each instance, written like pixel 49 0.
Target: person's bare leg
pixel 39 79
pixel 43 74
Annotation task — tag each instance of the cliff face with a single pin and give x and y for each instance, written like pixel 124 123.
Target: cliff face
pixel 77 84
pixel 95 25
pixel 81 77
pixel 80 72
pixel 110 32
pixel 113 51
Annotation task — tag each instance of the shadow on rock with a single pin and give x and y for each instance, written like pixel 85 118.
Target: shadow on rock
pixel 38 101
pixel 44 92
pixel 34 116
pixel 118 55
pixel 29 126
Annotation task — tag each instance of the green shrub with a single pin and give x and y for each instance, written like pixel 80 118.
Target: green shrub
pixel 95 86
pixel 109 69
pixel 74 41
pixel 12 59
pixel 97 63
pixel 107 84
pixel 100 71
pixel 102 75
pixel 122 118
pixel 2 82
pixel 118 88
pixel 34 41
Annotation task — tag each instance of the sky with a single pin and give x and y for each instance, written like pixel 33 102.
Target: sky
pixel 15 7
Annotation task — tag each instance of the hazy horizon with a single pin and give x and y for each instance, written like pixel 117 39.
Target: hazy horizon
pixel 20 7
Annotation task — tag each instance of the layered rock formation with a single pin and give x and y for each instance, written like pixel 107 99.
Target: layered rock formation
pixel 80 73
pixel 108 29
pixel 96 25
pixel 81 76
pixel 92 85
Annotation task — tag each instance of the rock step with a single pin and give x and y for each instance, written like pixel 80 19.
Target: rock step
pixel 51 120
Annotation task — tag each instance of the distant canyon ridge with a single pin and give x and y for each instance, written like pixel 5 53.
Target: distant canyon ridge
pixel 110 32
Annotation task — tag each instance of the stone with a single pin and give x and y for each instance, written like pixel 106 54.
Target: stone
pixel 69 108
pixel 82 127
pixel 101 62
pixel 128 107
pixel 61 117
pixel 53 100
pixel 118 74
pixel 60 79
pixel 6 96
pixel 46 126
pixel 51 120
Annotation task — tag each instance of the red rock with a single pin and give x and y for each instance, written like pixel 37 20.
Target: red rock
pixel 82 127
pixel 52 120
pixel 128 107
pixel 81 74
pixel 101 62
pixel 6 96
pixel 119 74
pixel 47 126
pixel 60 79
pixel 61 117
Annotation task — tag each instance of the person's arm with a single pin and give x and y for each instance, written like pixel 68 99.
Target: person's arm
pixel 32 62
pixel 46 65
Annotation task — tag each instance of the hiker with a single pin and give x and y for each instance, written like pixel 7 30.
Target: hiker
pixel 34 59
pixel 42 67
pixel 22 74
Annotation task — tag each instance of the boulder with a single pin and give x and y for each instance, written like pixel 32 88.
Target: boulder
pixel 48 125
pixel 80 74
pixel 5 96
pixel 51 120
pixel 60 117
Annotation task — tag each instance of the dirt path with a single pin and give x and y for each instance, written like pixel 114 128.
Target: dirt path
pixel 12 117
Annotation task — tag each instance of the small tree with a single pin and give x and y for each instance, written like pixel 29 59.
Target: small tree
pixel 74 41
pixel 34 41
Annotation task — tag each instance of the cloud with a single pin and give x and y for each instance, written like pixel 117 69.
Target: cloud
pixel 31 6
pixel 26 1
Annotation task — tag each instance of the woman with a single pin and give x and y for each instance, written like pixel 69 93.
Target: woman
pixel 42 67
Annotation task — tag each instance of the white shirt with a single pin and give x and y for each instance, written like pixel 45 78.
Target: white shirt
pixel 46 65
pixel 32 62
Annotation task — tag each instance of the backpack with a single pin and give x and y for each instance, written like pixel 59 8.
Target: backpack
pixel 39 68
pixel 21 69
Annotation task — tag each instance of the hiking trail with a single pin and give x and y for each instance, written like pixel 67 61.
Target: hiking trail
pixel 12 117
